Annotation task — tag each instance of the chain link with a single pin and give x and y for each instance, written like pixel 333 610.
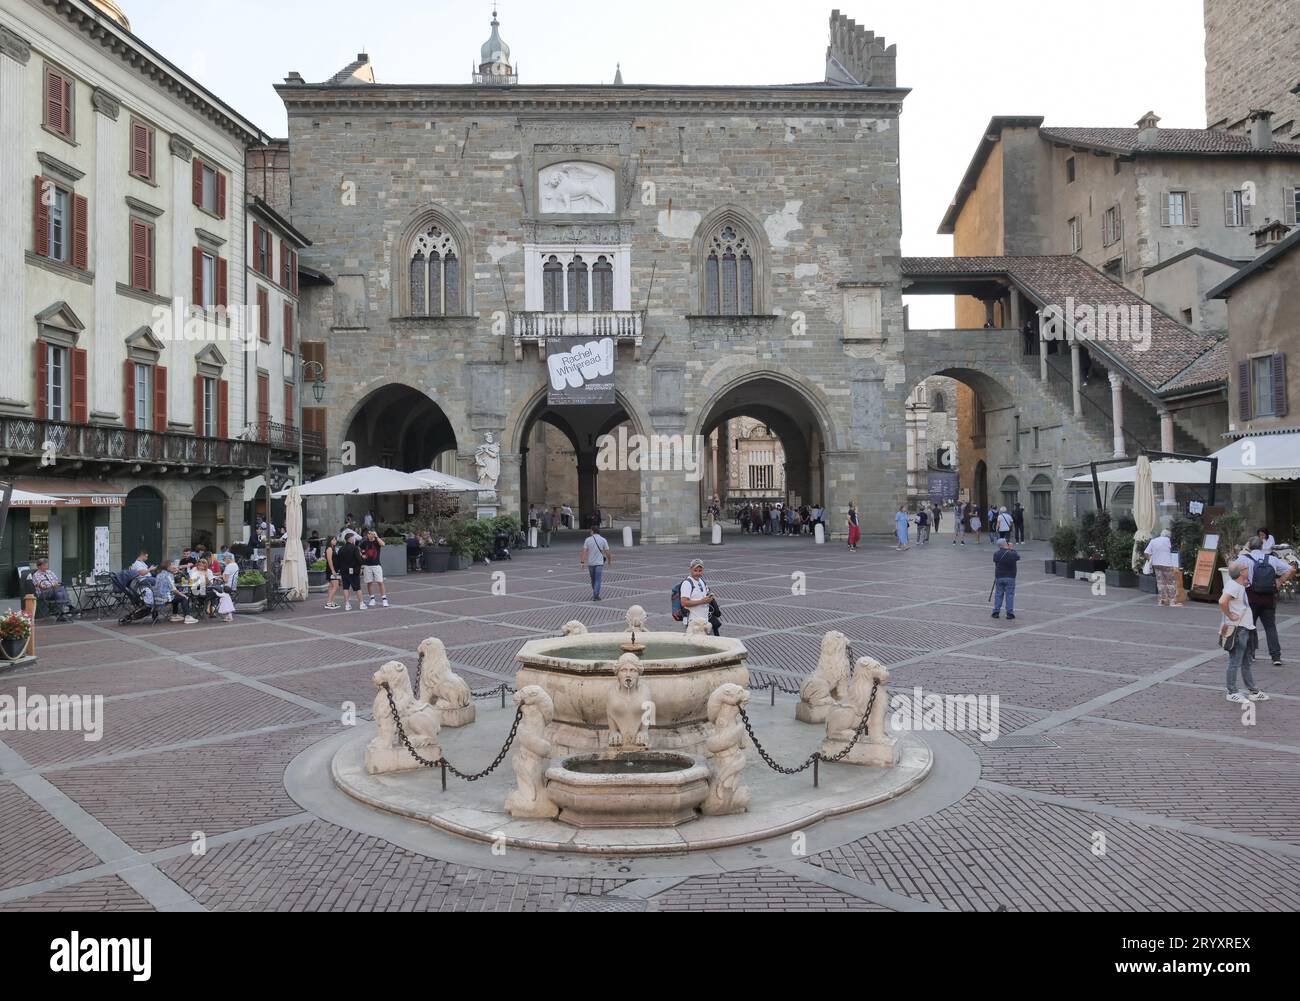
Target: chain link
pixel 443 762
pixel 504 687
pixel 816 755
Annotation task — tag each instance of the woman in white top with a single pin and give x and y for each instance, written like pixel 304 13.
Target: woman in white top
pixel 1165 563
pixel 1270 543
pixel 1238 618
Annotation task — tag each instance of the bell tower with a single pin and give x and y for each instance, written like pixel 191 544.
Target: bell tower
pixel 494 66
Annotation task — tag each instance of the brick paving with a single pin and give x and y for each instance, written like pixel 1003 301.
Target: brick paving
pixel 1199 811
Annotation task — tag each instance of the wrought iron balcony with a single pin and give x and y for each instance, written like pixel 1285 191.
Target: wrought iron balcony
pixel 285 439
pixel 35 441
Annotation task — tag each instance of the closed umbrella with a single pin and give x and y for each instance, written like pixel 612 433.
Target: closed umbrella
pixel 293 571
pixel 1144 501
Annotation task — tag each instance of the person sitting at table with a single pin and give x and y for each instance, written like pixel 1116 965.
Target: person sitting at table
pixel 49 587
pixel 201 587
pixel 141 562
pixel 169 594
pixel 187 560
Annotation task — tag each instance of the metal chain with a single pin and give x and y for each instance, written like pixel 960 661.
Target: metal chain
pixel 816 755
pixel 443 762
pixel 502 688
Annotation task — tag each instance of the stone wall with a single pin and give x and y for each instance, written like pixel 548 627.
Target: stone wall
pixel 1251 62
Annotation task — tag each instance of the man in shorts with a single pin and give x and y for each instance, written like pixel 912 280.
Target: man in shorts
pixel 372 572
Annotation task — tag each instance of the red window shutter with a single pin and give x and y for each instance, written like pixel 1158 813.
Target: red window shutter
pixel 54 101
pixel 139 149
pixel 42 381
pixel 80 233
pixel 263 398
pixel 263 315
pixel 139 255
pixel 293 274
pixel 66 99
pixel 223 290
pixel 288 326
pixel 1279 385
pixel 159 399
pixel 284 265
pixel 197 290
pixel 128 382
pixel 221 194
pixel 80 382
pixel 198 406
pixel 223 409
pixel 288 404
pixel 41 216
pixel 1244 413
pixel 196 177
pixel 148 258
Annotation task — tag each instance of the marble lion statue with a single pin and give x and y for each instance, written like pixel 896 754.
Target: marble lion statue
pixel 532 756
pixel 574 628
pixel 419 719
pixel 626 706
pixel 440 686
pixel 827 683
pixel 636 619
pixel 844 717
pixel 699 627
pixel 726 748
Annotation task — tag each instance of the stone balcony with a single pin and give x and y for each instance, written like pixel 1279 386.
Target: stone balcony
pixel 625 327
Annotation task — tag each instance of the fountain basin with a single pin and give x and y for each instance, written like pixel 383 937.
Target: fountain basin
pixel 681 673
pixel 637 789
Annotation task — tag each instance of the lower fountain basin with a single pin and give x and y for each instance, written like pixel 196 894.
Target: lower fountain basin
pixel 637 789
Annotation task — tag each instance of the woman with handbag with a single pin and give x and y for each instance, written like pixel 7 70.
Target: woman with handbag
pixel 1237 633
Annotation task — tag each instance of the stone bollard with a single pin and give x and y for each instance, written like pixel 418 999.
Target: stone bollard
pixel 532 538
pixel 717 535
pixel 627 536
pixel 821 534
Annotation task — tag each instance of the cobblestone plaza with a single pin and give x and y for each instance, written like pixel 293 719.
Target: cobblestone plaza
pixel 1123 781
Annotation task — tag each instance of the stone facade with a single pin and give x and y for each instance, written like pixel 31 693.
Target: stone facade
pixel 1251 63
pixel 822 358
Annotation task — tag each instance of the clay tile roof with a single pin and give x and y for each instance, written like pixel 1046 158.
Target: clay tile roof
pixel 1162 366
pixel 1178 141
pixel 1208 370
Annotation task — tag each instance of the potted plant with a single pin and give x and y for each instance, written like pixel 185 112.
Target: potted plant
pixel 252 587
pixel 1119 556
pixel 393 556
pixel 317 575
pixel 15 632
pixel 1094 534
pixel 1186 536
pixel 462 548
pixel 1065 541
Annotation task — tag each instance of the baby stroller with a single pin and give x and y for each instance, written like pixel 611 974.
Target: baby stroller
pixel 501 547
pixel 138 609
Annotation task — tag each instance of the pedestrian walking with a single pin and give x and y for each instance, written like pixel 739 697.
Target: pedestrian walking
pixel 936 517
pixel 923 526
pixel 1004 578
pixel 1266 574
pixel 1005 524
pixel 548 526
pixel 976 526
pixel 855 530
pixel 372 570
pixel 334 578
pixel 1237 632
pixel 959 525
pixel 901 528
pixel 347 560
pixel 1018 519
pixel 992 525
pixel 595 557
pixel 1165 564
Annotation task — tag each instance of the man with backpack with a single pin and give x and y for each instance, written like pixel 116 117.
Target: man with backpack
pixel 1266 572
pixel 694 602
pixel 595 557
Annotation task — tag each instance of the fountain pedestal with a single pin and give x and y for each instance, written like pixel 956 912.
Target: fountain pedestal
pixel 637 789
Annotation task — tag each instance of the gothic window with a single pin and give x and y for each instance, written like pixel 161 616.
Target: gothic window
pixel 435 274
pixel 578 285
pixel 602 285
pixel 553 285
pixel 729 287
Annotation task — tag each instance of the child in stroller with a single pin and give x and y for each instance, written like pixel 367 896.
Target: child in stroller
pixel 136 589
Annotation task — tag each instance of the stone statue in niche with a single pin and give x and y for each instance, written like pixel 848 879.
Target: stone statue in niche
pixel 576 188
pixel 488 459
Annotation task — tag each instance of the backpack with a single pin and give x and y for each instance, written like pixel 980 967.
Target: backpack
pixel 679 613
pixel 1264 578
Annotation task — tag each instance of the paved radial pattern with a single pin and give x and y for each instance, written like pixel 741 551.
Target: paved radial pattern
pixel 1137 786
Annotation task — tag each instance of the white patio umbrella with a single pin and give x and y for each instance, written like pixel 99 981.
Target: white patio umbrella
pixel 293 571
pixel 1174 471
pixel 446 482
pixel 364 482
pixel 1144 502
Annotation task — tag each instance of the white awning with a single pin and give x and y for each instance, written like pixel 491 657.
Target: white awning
pixel 1265 456
pixel 1174 471
pixel 445 481
pixel 374 480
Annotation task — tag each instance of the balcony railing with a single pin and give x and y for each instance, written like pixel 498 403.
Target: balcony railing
pixel 284 438
pixel 624 326
pixel 20 436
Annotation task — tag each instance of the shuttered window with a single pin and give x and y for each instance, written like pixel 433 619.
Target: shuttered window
pixel 209 188
pixel 142 150
pixel 263 315
pixel 261 250
pixel 1262 390
pixel 288 326
pixel 58 103
pixel 142 255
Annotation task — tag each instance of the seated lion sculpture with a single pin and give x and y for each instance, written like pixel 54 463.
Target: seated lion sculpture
pixel 440 686
pixel 845 717
pixel 420 721
pixel 574 628
pixel 828 683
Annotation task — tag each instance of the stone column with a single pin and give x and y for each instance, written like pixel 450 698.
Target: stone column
pixel 1167 445
pixel 1117 412
pixel 509 497
pixel 108 351
pixel 586 487
pixel 1017 320
pixel 15 187
pixel 990 317
pixel 1076 377
pixel 181 370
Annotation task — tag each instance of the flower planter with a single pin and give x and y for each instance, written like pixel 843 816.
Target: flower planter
pixel 459 562
pixel 1121 578
pixel 437 559
pixel 317 578
pixel 1088 566
pixel 1148 584
pixel 1063 569
pixel 1049 567
pixel 13 648
pixel 251 595
pixel 392 558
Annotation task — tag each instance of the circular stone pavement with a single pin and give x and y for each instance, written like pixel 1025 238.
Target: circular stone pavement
pixel 468 823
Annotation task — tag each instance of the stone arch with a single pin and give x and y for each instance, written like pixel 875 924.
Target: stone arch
pixel 371 398
pixel 756 237
pixel 519 421
pixel 811 396
pixel 402 248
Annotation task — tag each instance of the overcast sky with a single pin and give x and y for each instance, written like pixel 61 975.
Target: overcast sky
pixel 1099 63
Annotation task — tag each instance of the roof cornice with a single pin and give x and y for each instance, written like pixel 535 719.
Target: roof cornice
pixel 591 99
pixel 97 26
